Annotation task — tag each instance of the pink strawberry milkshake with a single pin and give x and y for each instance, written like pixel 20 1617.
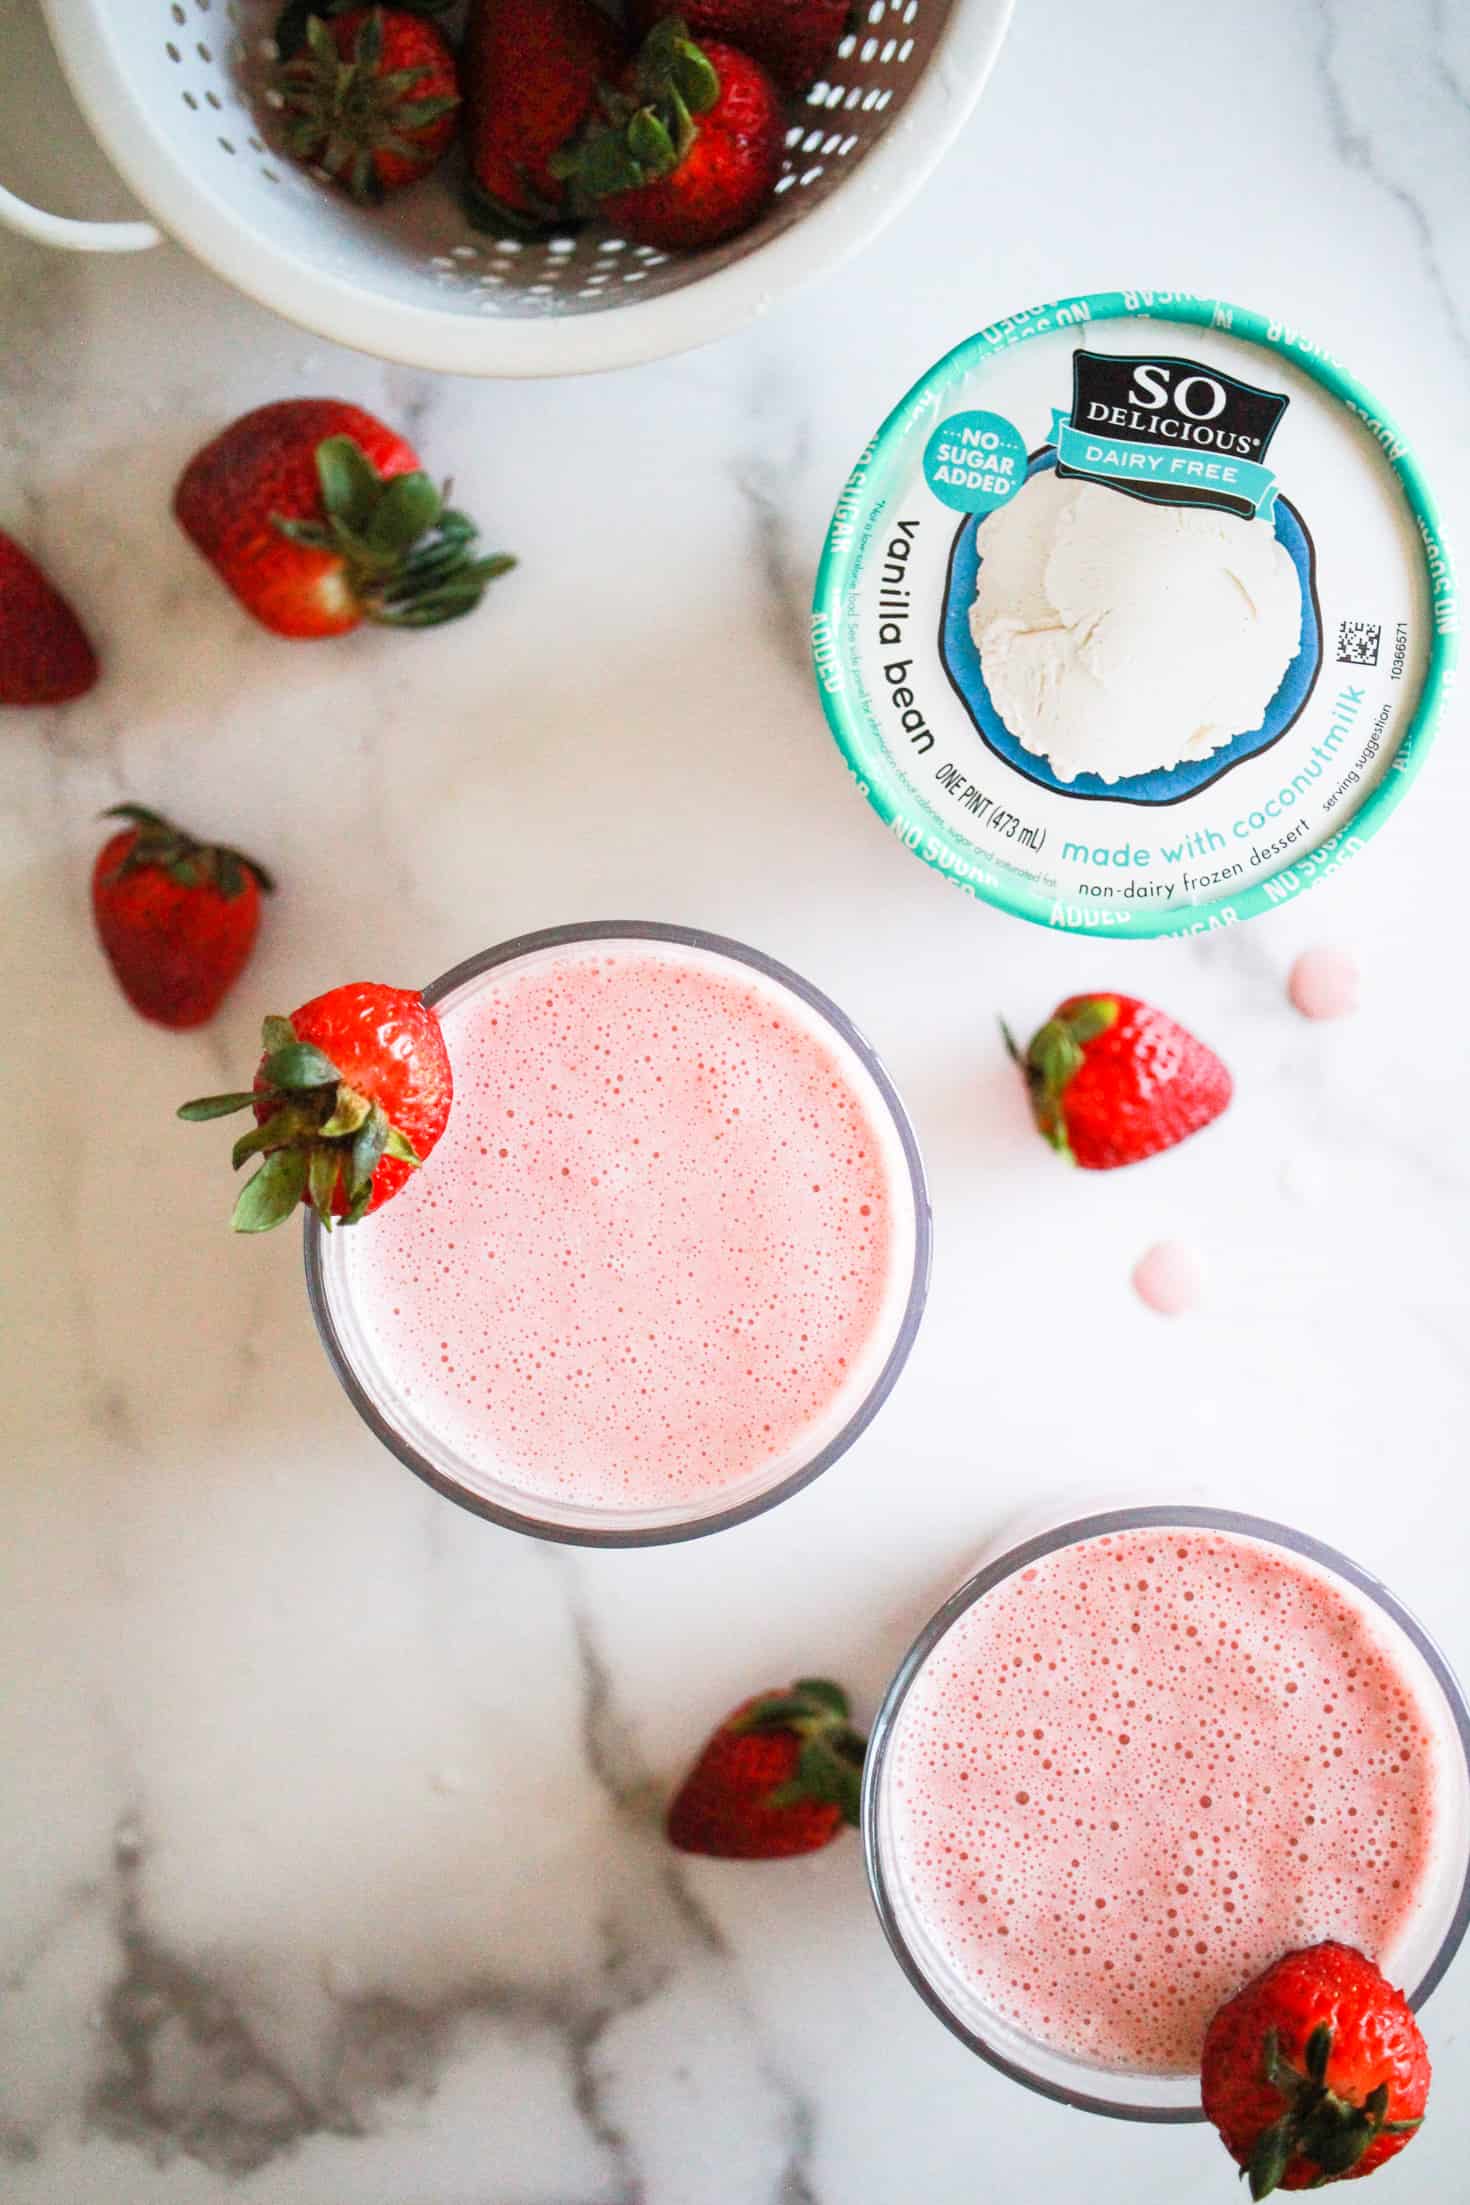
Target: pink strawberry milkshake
pixel 663 1252
pixel 1133 1773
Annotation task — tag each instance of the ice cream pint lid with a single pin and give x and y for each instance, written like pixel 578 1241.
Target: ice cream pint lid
pixel 1136 614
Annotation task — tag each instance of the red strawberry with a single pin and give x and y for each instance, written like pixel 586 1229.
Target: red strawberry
pixel 177 918
pixel 531 72
pixel 689 147
pixel 351 1093
pixel 318 518
pixel 793 40
pixel 45 657
pixel 371 97
pixel 782 1775
pixel 1316 2072
pixel 1113 1081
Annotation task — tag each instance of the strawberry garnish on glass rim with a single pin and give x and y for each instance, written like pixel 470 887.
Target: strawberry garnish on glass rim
pixel 1316 2072
pixel 341 1131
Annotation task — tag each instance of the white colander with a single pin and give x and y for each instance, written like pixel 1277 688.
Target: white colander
pixel 175 92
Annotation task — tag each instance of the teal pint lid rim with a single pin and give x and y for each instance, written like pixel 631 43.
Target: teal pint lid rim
pixel 894 801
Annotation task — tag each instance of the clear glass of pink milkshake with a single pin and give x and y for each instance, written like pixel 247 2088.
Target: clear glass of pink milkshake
pixel 1135 1759
pixel 666 1262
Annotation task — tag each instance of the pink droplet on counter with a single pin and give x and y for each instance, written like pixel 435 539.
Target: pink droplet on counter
pixel 1169 1278
pixel 1323 983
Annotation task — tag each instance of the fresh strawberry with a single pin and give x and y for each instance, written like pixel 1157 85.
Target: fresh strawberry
pixel 1113 1081
pixel 351 1093
pixel 371 98
pixel 45 657
pixel 1316 2072
pixel 531 72
pixel 318 518
pixel 793 40
pixel 177 918
pixel 782 1775
pixel 688 146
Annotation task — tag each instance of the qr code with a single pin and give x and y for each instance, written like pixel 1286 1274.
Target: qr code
pixel 1357 643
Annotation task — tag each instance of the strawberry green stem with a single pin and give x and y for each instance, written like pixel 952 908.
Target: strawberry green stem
pixel 411 561
pixel 1329 2132
pixel 830 1768
pixel 645 133
pixel 187 862
pixel 321 1137
pixel 1054 1056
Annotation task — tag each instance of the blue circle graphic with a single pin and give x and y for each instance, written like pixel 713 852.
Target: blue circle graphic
pixel 975 461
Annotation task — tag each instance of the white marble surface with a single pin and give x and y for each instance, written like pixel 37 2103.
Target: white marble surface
pixel 331 1872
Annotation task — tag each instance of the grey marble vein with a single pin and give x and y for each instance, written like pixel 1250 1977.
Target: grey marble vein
pixel 1356 146
pixel 795 2186
pixel 613 1756
pixel 1457 86
pixel 183 2070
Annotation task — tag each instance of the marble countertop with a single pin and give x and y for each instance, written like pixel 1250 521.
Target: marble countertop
pixel 331 1866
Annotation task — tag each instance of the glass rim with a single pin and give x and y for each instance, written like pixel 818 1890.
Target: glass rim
pixel 609 1534
pixel 1074 1532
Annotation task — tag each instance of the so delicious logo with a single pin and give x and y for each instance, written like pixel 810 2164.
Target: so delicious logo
pixel 1174 432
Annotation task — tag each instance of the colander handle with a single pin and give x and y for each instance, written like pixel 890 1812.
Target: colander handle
pixel 74 237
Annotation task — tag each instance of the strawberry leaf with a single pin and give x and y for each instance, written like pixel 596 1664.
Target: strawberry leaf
pixel 406 510
pixel 368 1145
pixel 322 1175
pixel 349 481
pixel 348 1114
pixel 777 1711
pixel 214 1106
pixel 300 1064
pixel 275 1133
pixel 1271 2157
pixel 1092 1017
pixel 822 1689
pixel 400 1146
pixel 270 1197
pixel 367 52
pixel 650 144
